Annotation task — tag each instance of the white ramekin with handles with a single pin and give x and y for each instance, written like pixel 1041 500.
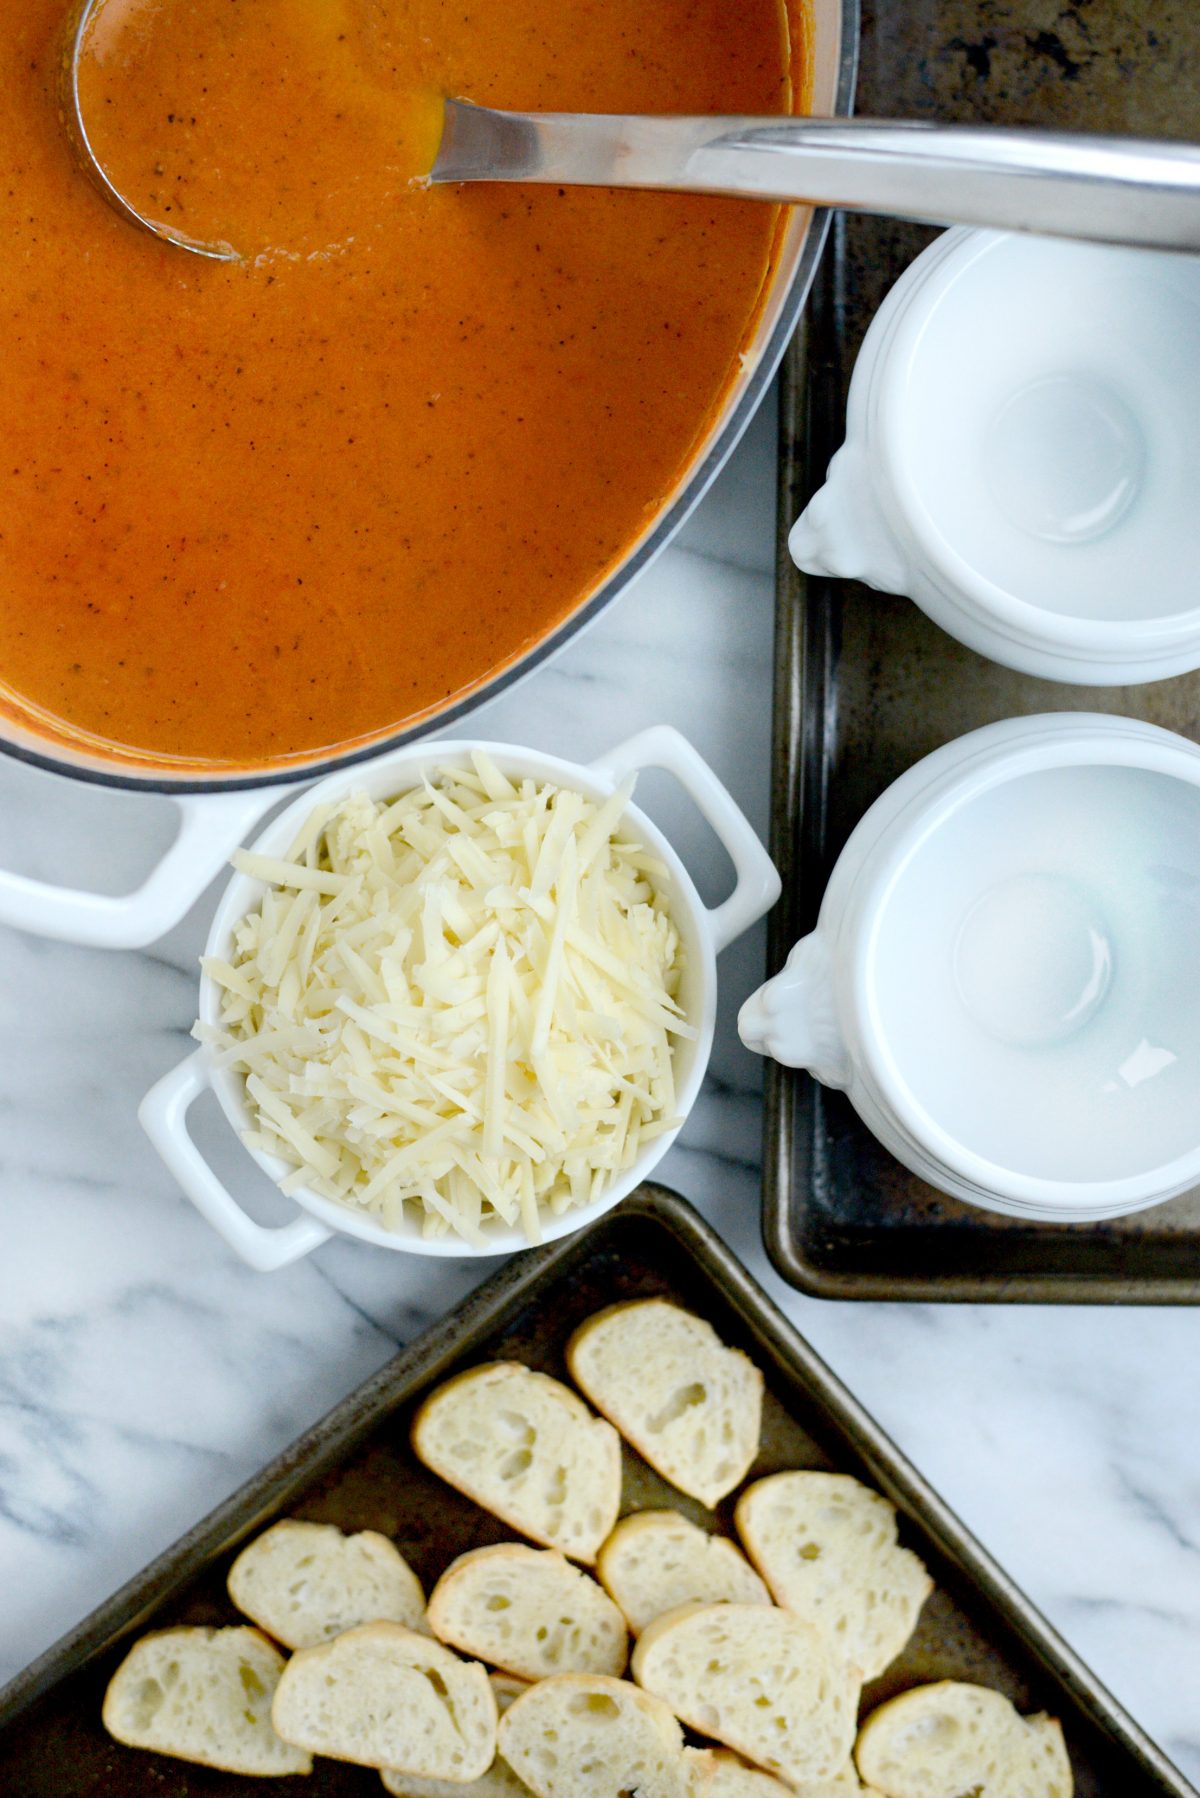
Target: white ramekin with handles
pixel 1022 431
pixel 1004 973
pixel 703 931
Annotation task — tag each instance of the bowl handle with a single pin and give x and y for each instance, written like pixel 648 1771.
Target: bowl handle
pixel 163 1116
pixel 757 885
pixel 793 1017
pixel 211 826
pixel 842 533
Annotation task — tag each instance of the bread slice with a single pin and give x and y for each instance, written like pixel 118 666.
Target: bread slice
pixel 384 1696
pixel 942 1740
pixel 203 1695
pixel 498 1782
pixel 529 1611
pixel 528 1449
pixel 305 1583
pixel 846 1785
pixel 689 1405
pixel 826 1546
pixel 655 1561
pixel 756 1679
pixel 1048 1751
pixel 587 1736
pixel 718 1774
pixel 715 1773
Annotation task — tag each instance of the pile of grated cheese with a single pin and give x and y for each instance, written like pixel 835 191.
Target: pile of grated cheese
pixel 458 1005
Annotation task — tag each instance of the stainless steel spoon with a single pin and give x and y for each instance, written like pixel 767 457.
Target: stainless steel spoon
pixel 1106 189
pixel 78 20
pixel 1117 190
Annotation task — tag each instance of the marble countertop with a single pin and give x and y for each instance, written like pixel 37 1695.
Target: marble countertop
pixel 145 1373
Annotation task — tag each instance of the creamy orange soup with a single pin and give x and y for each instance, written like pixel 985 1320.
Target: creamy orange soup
pixel 251 510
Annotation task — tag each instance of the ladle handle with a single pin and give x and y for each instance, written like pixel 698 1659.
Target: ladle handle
pixel 1106 189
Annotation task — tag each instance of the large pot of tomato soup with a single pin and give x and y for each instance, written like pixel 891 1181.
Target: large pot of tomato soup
pixel 265 517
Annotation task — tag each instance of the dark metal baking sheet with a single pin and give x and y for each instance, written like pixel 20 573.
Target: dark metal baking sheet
pixel 356 1469
pixel 866 685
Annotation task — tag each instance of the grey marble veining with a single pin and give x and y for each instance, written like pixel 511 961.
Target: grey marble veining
pixel 144 1373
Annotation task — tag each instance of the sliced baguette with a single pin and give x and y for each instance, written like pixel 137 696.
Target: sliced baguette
pixel 587 1736
pixel 655 1561
pixel 203 1695
pixel 529 1611
pixel 498 1782
pixel 756 1679
pixel 826 1546
pixel 689 1405
pixel 1048 1752
pixel 526 1448
pixel 716 1773
pixel 384 1696
pixel 942 1740
pixel 846 1785
pixel 305 1583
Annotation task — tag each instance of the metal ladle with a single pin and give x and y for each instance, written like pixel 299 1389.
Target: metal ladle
pixel 1114 190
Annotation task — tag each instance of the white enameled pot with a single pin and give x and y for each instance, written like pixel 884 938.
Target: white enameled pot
pixel 703 931
pixel 219 804
pixel 1022 430
pixel 1005 969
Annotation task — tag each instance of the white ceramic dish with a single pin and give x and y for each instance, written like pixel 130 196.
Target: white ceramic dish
pixel 1022 429
pixel 704 932
pixel 1004 972
pixel 219 804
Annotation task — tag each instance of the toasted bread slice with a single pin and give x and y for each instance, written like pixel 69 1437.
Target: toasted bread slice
pixel 587 1736
pixel 498 1782
pixel 942 1740
pixel 1048 1752
pixel 305 1583
pixel 758 1680
pixel 203 1695
pixel 826 1546
pixel 384 1696
pixel 655 1561
pixel 529 1611
pixel 846 1785
pixel 689 1405
pixel 716 1773
pixel 526 1448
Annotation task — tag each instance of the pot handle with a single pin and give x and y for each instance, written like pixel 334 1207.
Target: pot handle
pixel 163 1116
pixel 211 826
pixel 757 885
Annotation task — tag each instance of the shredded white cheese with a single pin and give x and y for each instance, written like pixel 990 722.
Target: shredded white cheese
pixel 458 1004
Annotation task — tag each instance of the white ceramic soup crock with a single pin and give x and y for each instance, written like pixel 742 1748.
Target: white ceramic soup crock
pixel 1023 428
pixel 219 804
pixel 703 932
pixel 1005 973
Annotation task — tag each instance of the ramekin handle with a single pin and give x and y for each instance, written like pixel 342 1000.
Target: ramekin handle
pixel 757 884
pixel 843 533
pixel 793 1017
pixel 211 825
pixel 163 1116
